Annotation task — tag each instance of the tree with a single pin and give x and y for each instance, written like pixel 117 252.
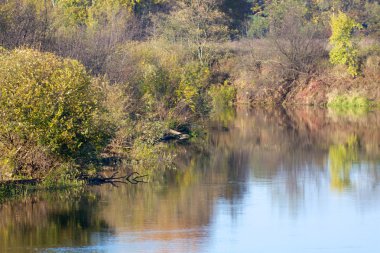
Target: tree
pixel 197 23
pixel 296 38
pixel 345 50
pixel 23 24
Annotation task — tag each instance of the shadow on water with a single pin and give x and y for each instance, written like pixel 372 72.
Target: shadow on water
pixel 290 152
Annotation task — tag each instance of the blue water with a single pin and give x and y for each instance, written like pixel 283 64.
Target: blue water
pixel 259 186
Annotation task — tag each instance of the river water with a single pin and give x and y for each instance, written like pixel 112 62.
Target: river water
pixel 300 180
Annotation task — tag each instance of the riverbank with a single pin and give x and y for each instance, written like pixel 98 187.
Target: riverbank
pixel 103 89
pixel 318 91
pixel 316 125
pixel 127 124
pixel 261 76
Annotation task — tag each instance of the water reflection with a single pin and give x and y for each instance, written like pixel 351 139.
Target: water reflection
pixel 260 175
pixel 341 157
pixel 54 220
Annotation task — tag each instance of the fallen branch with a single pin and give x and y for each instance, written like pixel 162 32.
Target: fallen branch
pixel 133 178
pixel 136 179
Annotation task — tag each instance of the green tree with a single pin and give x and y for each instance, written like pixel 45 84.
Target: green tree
pixel 345 50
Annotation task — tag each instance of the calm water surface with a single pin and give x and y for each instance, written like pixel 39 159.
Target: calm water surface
pixel 262 181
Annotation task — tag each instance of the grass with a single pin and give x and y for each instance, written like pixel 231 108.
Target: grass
pixel 350 104
pixel 349 101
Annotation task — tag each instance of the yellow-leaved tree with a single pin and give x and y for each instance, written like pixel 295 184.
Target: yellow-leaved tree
pixel 344 49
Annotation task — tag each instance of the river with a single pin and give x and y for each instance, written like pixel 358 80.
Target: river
pixel 299 180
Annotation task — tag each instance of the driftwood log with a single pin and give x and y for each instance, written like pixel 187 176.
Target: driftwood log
pixel 175 135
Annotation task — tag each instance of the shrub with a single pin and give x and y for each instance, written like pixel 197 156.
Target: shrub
pixel 222 95
pixel 48 105
pixel 192 87
pixel 152 67
pixel 161 73
pixel 166 88
pixel 23 24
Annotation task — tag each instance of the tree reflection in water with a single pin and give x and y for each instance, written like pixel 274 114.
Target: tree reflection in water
pixel 294 154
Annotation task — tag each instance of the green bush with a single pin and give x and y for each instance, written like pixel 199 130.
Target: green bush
pixel 161 73
pixel 48 104
pixel 166 89
pixel 192 87
pixel 223 95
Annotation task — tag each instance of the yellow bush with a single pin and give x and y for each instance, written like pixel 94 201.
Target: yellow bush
pixel 49 102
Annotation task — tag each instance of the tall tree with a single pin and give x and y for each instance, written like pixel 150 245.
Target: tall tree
pixel 197 23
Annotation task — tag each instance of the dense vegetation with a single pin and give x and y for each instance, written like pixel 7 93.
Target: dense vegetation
pixel 48 108
pixel 85 81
